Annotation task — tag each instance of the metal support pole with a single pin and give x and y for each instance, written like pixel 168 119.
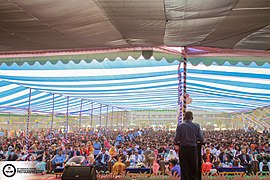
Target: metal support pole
pixel 67 119
pixel 51 134
pixel 185 81
pixel 180 93
pixel 28 120
pixel 107 116
pixel 80 122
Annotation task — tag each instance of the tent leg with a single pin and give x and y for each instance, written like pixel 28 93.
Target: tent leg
pixel 51 134
pixel 28 120
pixel 185 82
pixel 180 93
pixel 67 119
pixel 80 122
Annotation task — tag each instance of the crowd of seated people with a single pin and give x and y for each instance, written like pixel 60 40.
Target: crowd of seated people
pixel 108 150
pixel 236 148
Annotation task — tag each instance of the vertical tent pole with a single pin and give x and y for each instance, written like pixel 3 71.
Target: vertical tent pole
pixel 28 120
pixel 67 119
pixel 80 122
pixel 107 116
pixel 185 81
pixel 92 111
pixel 112 119
pixel 51 134
pixel 100 112
pixel 180 93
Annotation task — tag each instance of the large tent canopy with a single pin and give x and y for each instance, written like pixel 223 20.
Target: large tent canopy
pixel 133 84
pixel 96 50
pixel 106 24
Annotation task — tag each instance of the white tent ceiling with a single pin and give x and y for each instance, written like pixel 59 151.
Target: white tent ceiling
pixel 103 24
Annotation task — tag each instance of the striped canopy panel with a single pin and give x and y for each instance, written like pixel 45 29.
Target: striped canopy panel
pixel 133 84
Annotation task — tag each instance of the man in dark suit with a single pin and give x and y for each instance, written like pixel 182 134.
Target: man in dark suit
pixel 225 157
pixel 74 152
pixel 102 160
pixel 245 160
pixel 187 136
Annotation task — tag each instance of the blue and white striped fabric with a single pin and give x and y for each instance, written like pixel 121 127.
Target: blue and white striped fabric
pixel 132 84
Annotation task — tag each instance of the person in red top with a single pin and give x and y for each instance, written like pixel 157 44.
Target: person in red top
pixel 84 151
pixel 208 161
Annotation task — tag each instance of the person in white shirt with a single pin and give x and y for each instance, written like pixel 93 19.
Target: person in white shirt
pixel 172 155
pixel 218 152
pixel 135 158
pixel 213 150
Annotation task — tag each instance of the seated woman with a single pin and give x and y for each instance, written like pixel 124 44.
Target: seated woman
pixel 41 166
pixel 208 160
pixel 90 148
pixel 119 167
pixel 112 151
pixel 90 160
pixel 116 157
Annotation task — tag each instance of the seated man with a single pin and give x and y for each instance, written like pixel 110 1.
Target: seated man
pixel 170 156
pixel 102 160
pixel 245 160
pixel 59 159
pixel 175 168
pixel 263 159
pixel 97 147
pixel 225 158
pixel 135 158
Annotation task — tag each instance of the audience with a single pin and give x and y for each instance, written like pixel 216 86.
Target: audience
pixel 134 147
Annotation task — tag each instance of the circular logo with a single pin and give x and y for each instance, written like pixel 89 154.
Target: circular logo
pixel 9 170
